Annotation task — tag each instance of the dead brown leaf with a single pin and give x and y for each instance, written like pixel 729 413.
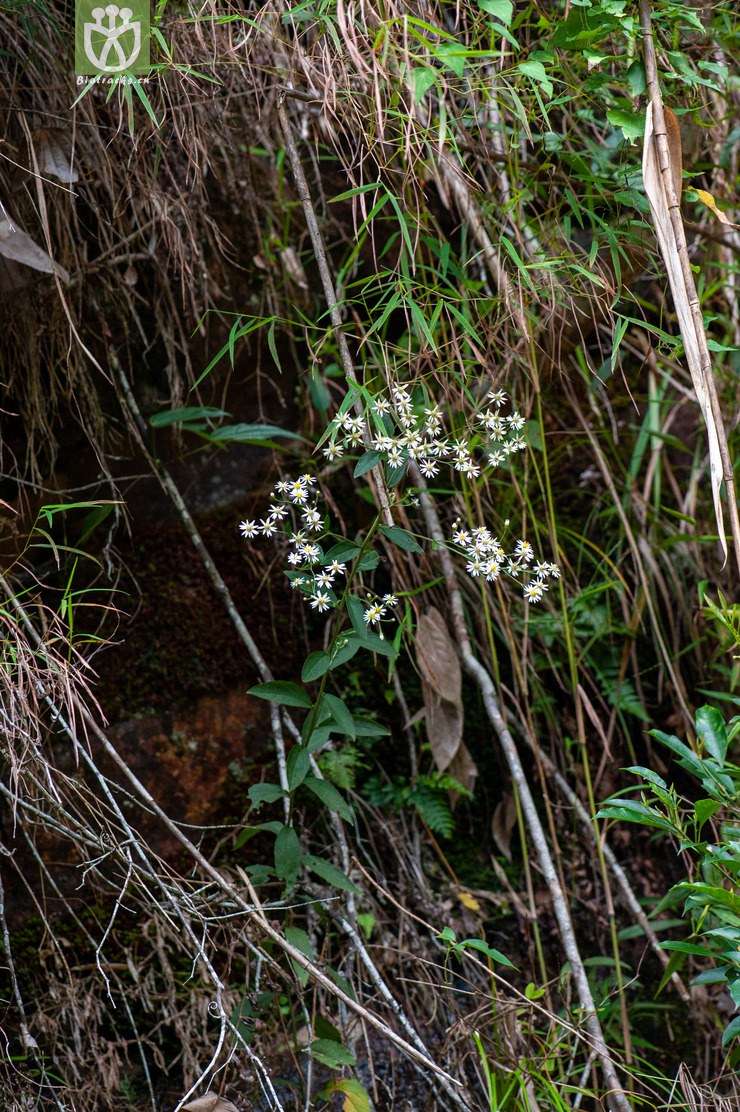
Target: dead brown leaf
pixel 209 1102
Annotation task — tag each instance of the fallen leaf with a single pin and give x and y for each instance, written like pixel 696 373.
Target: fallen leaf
pixel 503 822
pixel 709 201
pixel 442 687
pixel 209 1102
pixel 52 158
pixel 469 901
pixel 16 245
pixel 464 769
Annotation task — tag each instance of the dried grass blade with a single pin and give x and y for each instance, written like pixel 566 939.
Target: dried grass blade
pixel 693 341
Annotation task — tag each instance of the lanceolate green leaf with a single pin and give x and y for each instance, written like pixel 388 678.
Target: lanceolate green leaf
pixel 283 692
pixel 329 795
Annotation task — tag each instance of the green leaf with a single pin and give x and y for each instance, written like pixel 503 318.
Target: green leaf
pixel 484 948
pixel 422 79
pixel 283 692
pixel 264 793
pixel 731 1031
pixel 287 855
pixel 330 873
pixel 298 938
pixel 400 537
pixel 356 1097
pixel 366 462
pixel 252 434
pixel 704 809
pixel 632 124
pixel 537 72
pixel 637 79
pixel 502 10
pixel 345 550
pixel 187 413
pixel 365 728
pixel 346 649
pixel 315 666
pixel 329 796
pixel 332 1054
pixel 395 472
pixel 368 561
pixel 356 612
pixel 711 729
pixel 341 715
pixel 376 644
pixel 298 764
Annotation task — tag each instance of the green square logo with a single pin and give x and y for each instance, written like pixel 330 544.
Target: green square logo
pixel 111 39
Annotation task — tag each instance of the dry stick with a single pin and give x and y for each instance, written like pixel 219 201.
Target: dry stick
pixel 330 292
pixel 629 897
pixel 674 210
pixel 485 683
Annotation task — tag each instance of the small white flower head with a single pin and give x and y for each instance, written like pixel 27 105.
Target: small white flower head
pixel 324 578
pixel 267 527
pixel 395 457
pixel 374 613
pixel 278 511
pixel 515 421
pixel 389 600
pixel 298 539
pixel 383 443
pixel 492 570
pixel 441 448
pixel 534 590
pixel 336 568
pixel 354 439
pixel 497 398
pixel 541 569
pixel 294 559
pixel 495 459
pixel 474 566
pixel 381 406
pixel 524 551
pixel 461 537
pixel 298 492
pixel 299 581
pixel 311 553
pixel 554 571
pixel 334 451
pixel 282 486
pixel 313 520
pixel 321 601
pixel 249 529
pixel 513 567
pixel 428 468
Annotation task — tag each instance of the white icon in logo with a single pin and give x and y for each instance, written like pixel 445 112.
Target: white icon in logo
pixel 113 57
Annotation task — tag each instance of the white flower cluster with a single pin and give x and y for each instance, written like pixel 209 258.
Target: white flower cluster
pixel 296 504
pixel 401 434
pixel 486 558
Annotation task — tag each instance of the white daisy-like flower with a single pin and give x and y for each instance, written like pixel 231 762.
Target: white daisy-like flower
pixel 395 457
pixel 297 492
pixel 461 537
pixel 334 451
pixel 382 406
pixel 524 551
pixel 534 590
pixel 295 559
pixel 320 601
pixel 541 569
pixel 383 443
pixel 309 480
pixel 474 567
pixel 267 527
pixel 389 600
pixel 374 613
pixel 515 421
pixel 354 439
pixel 311 553
pixel 282 486
pixel 313 519
pixel 278 511
pixel 428 468
pixel 336 568
pixel 249 529
pixel 554 571
pixel 440 448
pixel 492 570
pixel 324 578
pixel 497 397
pixel 513 567
pixel 297 582
pixel 298 538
